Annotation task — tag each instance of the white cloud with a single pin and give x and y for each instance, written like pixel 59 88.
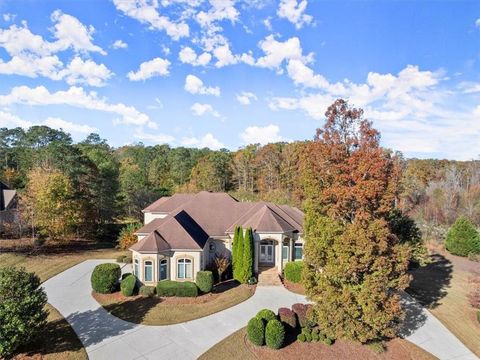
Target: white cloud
pixel 76 97
pixel 220 10
pixel 261 135
pixel 120 44
pixel 85 72
pixel 194 85
pixel 245 97
pixel 148 69
pixel 294 11
pixel 10 121
pixel 199 109
pixel 208 140
pixel 147 12
pixel 477 22
pixel 9 17
pixel 268 23
pixel 68 126
pixel 276 52
pixel 32 66
pixel 303 75
pixel 156 138
pixel 188 56
pixel 224 56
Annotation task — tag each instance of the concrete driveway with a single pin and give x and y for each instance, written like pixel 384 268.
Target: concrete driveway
pixel 107 337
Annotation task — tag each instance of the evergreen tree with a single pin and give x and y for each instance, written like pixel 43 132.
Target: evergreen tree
pixel 463 238
pixel 238 274
pixel 235 251
pixel 248 255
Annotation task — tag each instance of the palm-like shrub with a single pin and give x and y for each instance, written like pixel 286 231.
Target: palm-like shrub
pixel 463 238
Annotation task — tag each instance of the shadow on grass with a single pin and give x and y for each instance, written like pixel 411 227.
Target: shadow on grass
pixel 64 248
pixel 430 283
pixel 133 310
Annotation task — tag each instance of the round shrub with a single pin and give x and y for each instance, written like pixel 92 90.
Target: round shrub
pixel 315 336
pixel 274 334
pixel 125 275
pixel 256 331
pixel 127 286
pixel 293 271
pixel 147 290
pixel 301 311
pixel 301 337
pixel 328 341
pixel 204 281
pixel 105 278
pixel 22 313
pixel 462 238
pixel 288 317
pixel 266 314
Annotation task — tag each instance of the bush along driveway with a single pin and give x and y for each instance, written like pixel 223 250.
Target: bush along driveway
pixel 106 336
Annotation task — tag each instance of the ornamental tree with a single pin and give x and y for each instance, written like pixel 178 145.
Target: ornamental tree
pixel 354 265
pixel 247 255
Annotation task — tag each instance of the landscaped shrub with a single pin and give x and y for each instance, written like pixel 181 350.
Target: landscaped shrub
pixel 301 311
pixel 293 271
pixel 146 290
pixel 311 316
pixel 247 272
pixel 315 336
pixel 127 236
pixel 204 281
pixel 301 337
pixel 120 259
pixel 125 275
pixel 463 238
pixel 127 286
pixel 105 278
pixel 256 331
pixel 266 314
pixel 328 341
pixel 308 334
pixel 175 288
pixel 22 313
pixel 252 281
pixel 288 317
pixel 377 347
pixel 274 334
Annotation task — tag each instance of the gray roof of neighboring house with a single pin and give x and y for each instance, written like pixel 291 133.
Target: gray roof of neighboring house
pixel 7 197
pixel 205 214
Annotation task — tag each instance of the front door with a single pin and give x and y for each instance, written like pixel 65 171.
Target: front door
pixel 266 253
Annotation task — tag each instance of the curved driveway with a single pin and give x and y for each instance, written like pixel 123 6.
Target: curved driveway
pixel 108 337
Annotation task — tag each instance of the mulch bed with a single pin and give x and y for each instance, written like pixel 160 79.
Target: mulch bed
pixel 293 287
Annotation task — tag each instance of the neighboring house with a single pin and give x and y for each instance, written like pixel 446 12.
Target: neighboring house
pixel 183 232
pixel 8 208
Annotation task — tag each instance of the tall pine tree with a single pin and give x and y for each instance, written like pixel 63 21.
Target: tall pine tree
pixel 354 265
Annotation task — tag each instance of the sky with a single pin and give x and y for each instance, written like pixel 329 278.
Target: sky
pixel 226 73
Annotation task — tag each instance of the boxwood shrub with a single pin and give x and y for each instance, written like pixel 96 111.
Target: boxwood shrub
pixel 204 281
pixel 146 290
pixel 274 334
pixel 127 286
pixel 105 278
pixel 176 288
pixel 288 317
pixel 301 337
pixel 266 314
pixel 256 331
pixel 293 271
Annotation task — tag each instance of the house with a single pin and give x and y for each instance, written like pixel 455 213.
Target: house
pixel 8 208
pixel 183 232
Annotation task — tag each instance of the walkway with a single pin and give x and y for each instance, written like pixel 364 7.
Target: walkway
pixel 107 337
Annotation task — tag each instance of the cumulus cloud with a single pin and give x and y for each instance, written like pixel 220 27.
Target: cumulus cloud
pixel 276 52
pixel 188 56
pixel 85 72
pixel 194 85
pixel 208 140
pixel 294 11
pixel 261 135
pixel 245 97
pixel 151 68
pixel 199 109
pixel 76 97
pixel 119 44
pixel 156 138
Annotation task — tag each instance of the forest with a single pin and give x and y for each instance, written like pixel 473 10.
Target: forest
pixel 80 189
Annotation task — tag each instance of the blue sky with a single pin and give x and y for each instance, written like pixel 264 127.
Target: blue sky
pixel 226 73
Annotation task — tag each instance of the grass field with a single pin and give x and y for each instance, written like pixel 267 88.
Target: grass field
pixel 236 346
pixel 443 287
pixel 166 311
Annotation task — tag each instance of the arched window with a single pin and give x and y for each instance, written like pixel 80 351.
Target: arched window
pixel 148 271
pixel 184 268
pixel 135 268
pixel 162 271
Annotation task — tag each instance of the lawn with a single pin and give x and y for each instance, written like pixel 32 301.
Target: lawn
pixel 236 346
pixel 443 287
pixel 166 311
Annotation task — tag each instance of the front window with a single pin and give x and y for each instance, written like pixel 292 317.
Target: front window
pixel 285 251
pixel 163 270
pixel 184 269
pixel 135 268
pixel 298 251
pixel 148 271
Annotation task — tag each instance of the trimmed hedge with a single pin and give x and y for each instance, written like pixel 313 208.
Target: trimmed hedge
pixel 105 277
pixel 266 314
pixel 274 334
pixel 127 286
pixel 293 271
pixel 146 290
pixel 204 281
pixel 256 331
pixel 288 317
pixel 176 288
pixel 301 311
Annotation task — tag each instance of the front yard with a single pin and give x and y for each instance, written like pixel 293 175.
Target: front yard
pixel 166 311
pixel 236 346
